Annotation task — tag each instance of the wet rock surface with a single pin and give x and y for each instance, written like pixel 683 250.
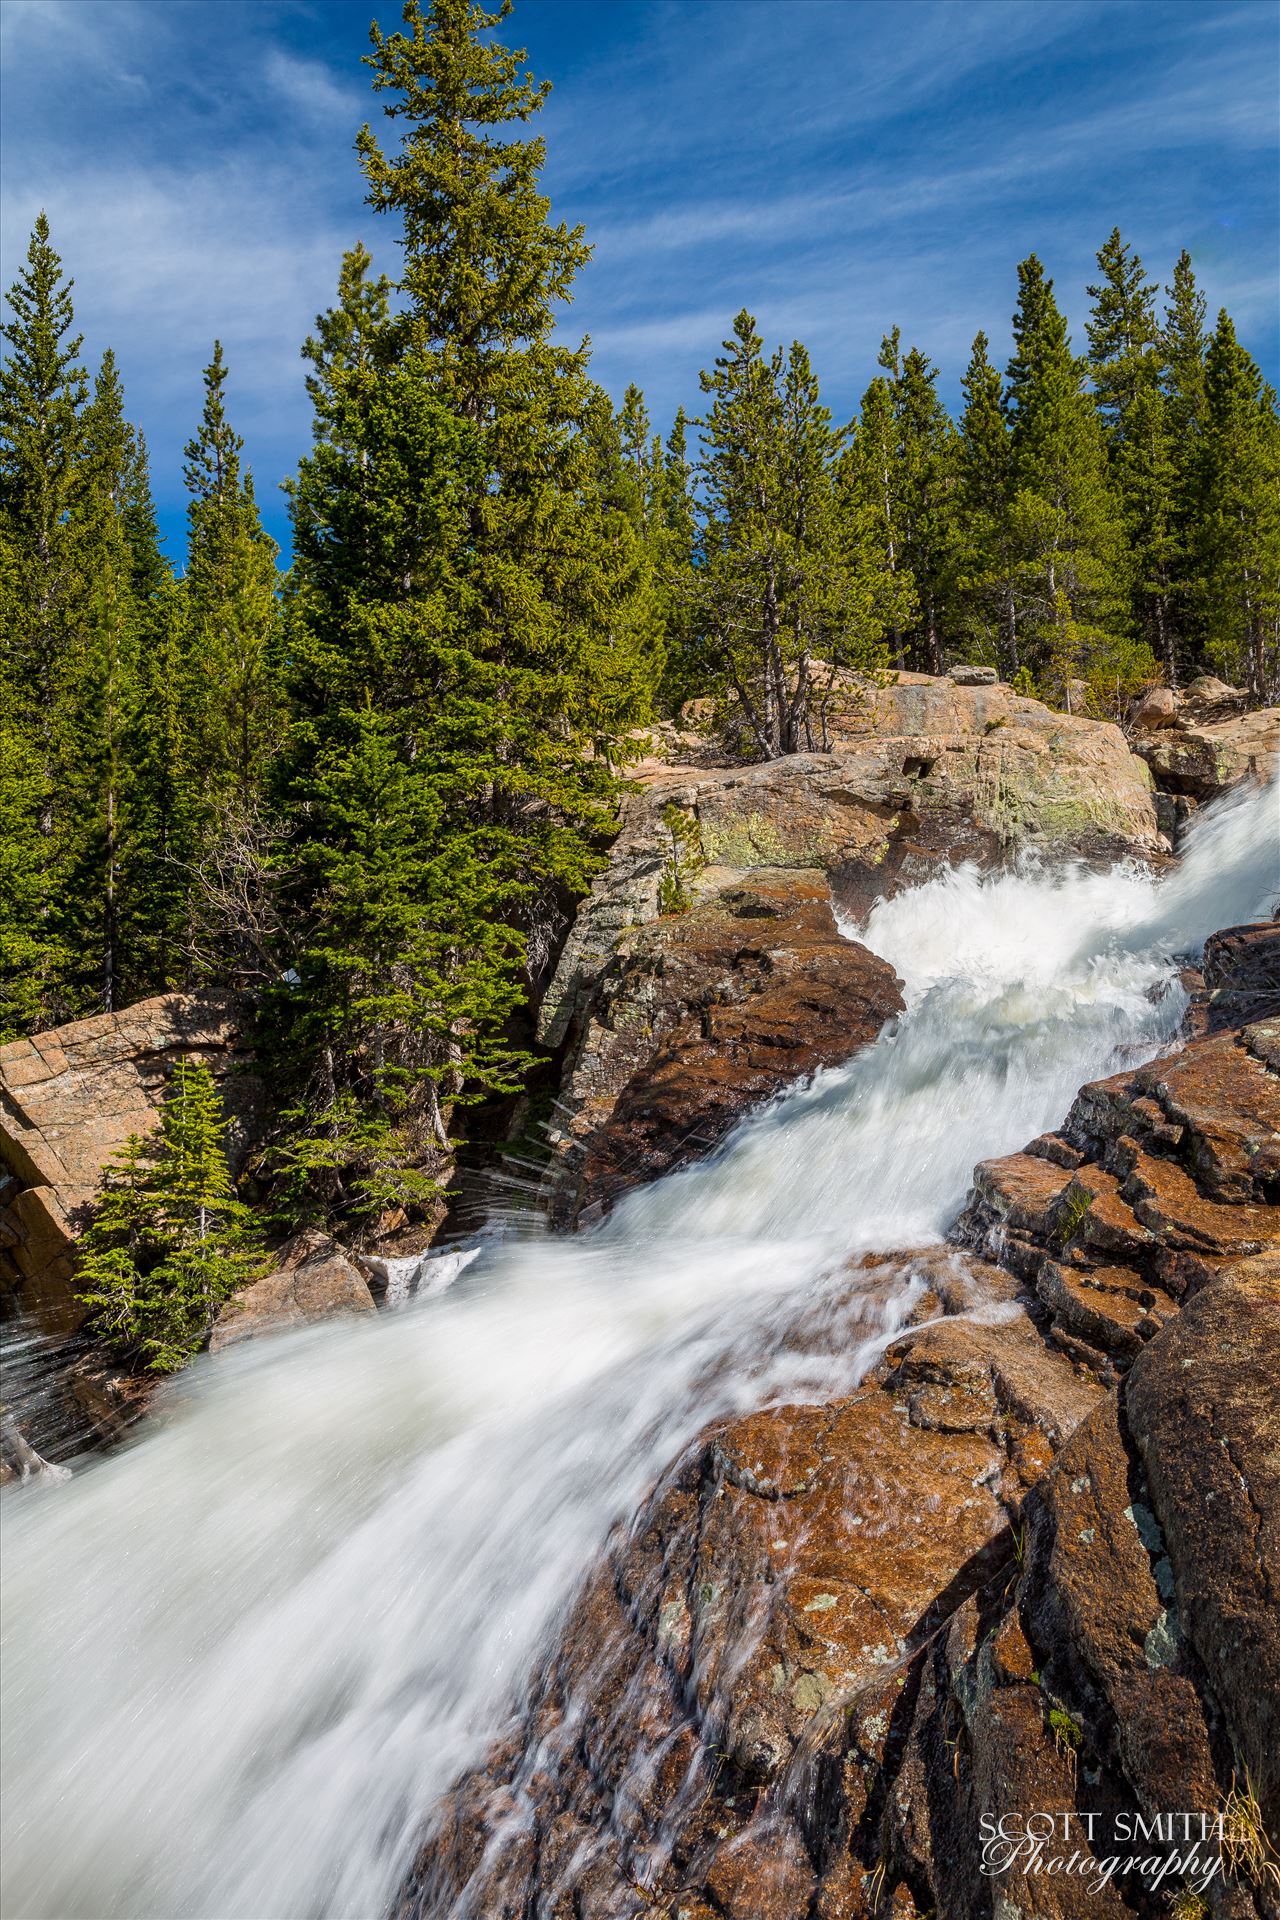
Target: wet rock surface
pixel 1030 1563
pixel 700 1016
pixel 671 1024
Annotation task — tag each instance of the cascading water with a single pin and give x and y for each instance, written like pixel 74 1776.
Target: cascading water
pixel 243 1657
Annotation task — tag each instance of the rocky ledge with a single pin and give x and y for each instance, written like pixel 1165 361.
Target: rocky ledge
pixel 1028 1564
pixel 1202 741
pixel 670 1023
pixel 913 776
pixel 69 1098
pixel 699 1016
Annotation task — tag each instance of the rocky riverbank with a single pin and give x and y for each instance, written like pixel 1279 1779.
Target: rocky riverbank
pixel 671 1023
pixel 1029 1564
pixel 832 1634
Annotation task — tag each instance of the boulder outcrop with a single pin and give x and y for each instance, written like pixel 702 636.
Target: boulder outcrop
pixel 312 1280
pixel 916 773
pixel 1028 1566
pixel 1240 975
pixel 699 1016
pixel 913 776
pixel 70 1097
pixel 1204 741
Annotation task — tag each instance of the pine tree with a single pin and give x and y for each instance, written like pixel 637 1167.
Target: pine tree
pixel 42 394
pixel 1071 580
pixel 928 461
pixel 165 792
pixel 1127 369
pixel 42 391
pixel 1182 350
pixel 1182 343
pixel 870 485
pixel 169 1242
pixel 169 812
pixel 469 629
pixel 232 615
pixel 985 559
pixel 776 583
pixel 97 710
pixel 635 448
pixel 1238 530
pixel 485 273
pixel 1121 331
pixel 687 670
pixel 399 887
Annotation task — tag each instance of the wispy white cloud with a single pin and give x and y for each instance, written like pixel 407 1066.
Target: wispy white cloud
pixel 40 38
pixel 310 88
pixel 836 165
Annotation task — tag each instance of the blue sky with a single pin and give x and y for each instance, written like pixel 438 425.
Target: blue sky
pixel 838 166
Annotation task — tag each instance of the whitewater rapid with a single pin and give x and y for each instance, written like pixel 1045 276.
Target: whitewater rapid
pixel 244 1657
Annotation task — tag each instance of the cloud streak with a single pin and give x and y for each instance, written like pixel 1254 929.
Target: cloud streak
pixel 836 165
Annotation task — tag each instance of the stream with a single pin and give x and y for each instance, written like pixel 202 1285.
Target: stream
pixel 244 1656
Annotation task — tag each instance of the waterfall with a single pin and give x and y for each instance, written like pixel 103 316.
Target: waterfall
pixel 244 1656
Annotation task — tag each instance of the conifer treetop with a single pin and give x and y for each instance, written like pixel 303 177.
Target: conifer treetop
pixel 212 469
pixel 484 268
pixel 42 389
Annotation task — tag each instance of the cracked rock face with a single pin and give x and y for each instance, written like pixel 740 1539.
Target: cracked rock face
pixel 1030 1563
pixel 69 1098
pixel 1207 748
pixel 700 1016
pixel 671 1025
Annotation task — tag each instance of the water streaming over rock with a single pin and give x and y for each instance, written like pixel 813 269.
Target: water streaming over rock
pixel 244 1656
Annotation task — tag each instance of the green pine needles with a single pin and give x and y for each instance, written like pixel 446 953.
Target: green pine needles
pixel 467 635
pixel 169 1242
pixel 369 790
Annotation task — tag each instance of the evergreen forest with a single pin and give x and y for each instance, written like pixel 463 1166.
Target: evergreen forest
pixel 367 789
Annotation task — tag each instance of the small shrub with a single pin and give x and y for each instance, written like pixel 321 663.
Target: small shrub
pixel 169 1242
pixel 686 860
pixel 1247 1852
pixel 1069 1214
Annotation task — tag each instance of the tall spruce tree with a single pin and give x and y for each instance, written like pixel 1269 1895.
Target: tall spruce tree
pixel 1121 331
pixel 1126 361
pixel 869 482
pixel 985 559
pixel 1182 350
pixel 1072 568
pixel 43 389
pixel 1182 344
pixel 928 463
pixel 1238 528
pixel 232 615
pixel 97 712
pixel 778 585
pixel 465 650
pixel 687 671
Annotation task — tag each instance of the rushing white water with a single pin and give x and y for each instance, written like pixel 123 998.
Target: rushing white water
pixel 244 1657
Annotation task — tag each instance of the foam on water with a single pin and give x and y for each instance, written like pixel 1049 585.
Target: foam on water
pixel 244 1657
